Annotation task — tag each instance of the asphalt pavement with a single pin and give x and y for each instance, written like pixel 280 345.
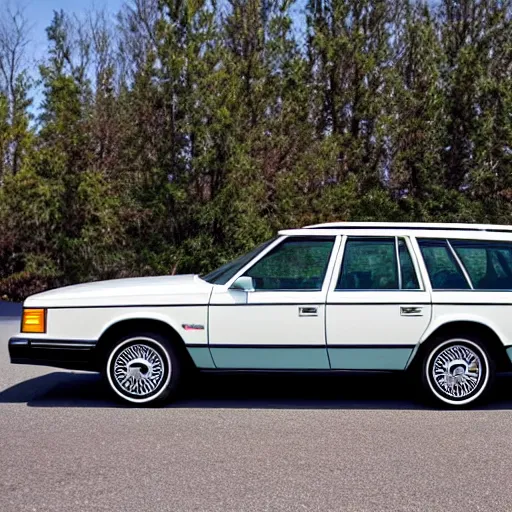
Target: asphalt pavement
pixel 247 443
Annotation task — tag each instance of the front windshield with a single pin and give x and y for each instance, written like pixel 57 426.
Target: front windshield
pixel 223 274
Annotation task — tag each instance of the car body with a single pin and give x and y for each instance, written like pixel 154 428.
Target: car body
pixel 434 299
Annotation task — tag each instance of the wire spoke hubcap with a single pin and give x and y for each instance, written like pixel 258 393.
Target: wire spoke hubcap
pixel 139 369
pixel 457 371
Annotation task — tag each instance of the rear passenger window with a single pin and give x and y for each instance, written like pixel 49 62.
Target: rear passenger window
pixel 369 264
pixel 488 264
pixel 443 270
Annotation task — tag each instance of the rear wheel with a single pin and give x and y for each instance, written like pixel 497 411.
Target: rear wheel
pixel 457 371
pixel 143 368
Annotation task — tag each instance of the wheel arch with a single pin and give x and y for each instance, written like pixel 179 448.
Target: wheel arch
pixel 139 323
pixel 488 334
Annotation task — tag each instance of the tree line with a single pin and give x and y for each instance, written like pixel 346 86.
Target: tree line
pixel 183 132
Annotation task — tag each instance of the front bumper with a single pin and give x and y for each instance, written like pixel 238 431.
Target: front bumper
pixel 72 354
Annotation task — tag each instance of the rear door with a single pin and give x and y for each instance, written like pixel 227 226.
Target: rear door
pixel 377 305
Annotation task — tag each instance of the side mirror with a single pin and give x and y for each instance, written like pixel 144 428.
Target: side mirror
pixel 244 283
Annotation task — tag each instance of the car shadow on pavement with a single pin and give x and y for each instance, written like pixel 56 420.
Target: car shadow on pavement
pixel 246 391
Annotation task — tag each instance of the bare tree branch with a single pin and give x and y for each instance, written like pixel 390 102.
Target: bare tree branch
pixel 14 38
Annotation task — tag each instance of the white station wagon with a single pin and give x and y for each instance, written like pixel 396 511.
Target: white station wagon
pixel 432 299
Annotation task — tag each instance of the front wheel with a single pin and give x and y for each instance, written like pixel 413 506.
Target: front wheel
pixel 143 368
pixel 457 371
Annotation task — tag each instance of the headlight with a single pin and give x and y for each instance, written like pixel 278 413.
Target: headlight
pixel 34 320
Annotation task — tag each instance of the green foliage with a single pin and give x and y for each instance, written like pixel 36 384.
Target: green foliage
pixel 188 132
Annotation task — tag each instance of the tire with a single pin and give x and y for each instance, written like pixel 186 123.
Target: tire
pixel 457 371
pixel 143 369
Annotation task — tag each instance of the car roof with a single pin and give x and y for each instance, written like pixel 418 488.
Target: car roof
pixel 420 229
pixel 412 225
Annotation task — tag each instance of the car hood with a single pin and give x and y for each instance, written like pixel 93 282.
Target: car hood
pixel 139 291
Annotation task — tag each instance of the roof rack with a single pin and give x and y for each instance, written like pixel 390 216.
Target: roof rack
pixel 424 226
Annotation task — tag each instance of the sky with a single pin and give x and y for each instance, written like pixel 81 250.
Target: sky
pixel 39 14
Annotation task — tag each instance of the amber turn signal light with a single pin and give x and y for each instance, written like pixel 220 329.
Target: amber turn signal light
pixel 34 320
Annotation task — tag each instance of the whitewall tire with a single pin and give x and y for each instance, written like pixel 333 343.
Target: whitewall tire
pixel 457 371
pixel 143 368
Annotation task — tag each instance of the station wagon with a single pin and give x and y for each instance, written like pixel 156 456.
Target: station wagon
pixel 432 300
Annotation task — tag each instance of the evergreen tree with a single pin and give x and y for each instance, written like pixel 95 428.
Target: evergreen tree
pixel 188 131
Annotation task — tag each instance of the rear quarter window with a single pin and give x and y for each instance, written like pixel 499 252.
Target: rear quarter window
pixel 488 264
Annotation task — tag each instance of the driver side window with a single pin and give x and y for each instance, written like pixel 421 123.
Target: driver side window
pixel 295 264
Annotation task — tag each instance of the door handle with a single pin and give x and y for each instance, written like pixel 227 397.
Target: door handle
pixel 308 311
pixel 411 311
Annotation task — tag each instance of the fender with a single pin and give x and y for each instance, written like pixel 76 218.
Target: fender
pixel 444 318
pixel 188 336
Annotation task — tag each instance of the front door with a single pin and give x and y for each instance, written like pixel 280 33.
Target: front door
pixel 377 306
pixel 281 323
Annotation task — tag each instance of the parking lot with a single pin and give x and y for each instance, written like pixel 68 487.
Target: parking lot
pixel 242 443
